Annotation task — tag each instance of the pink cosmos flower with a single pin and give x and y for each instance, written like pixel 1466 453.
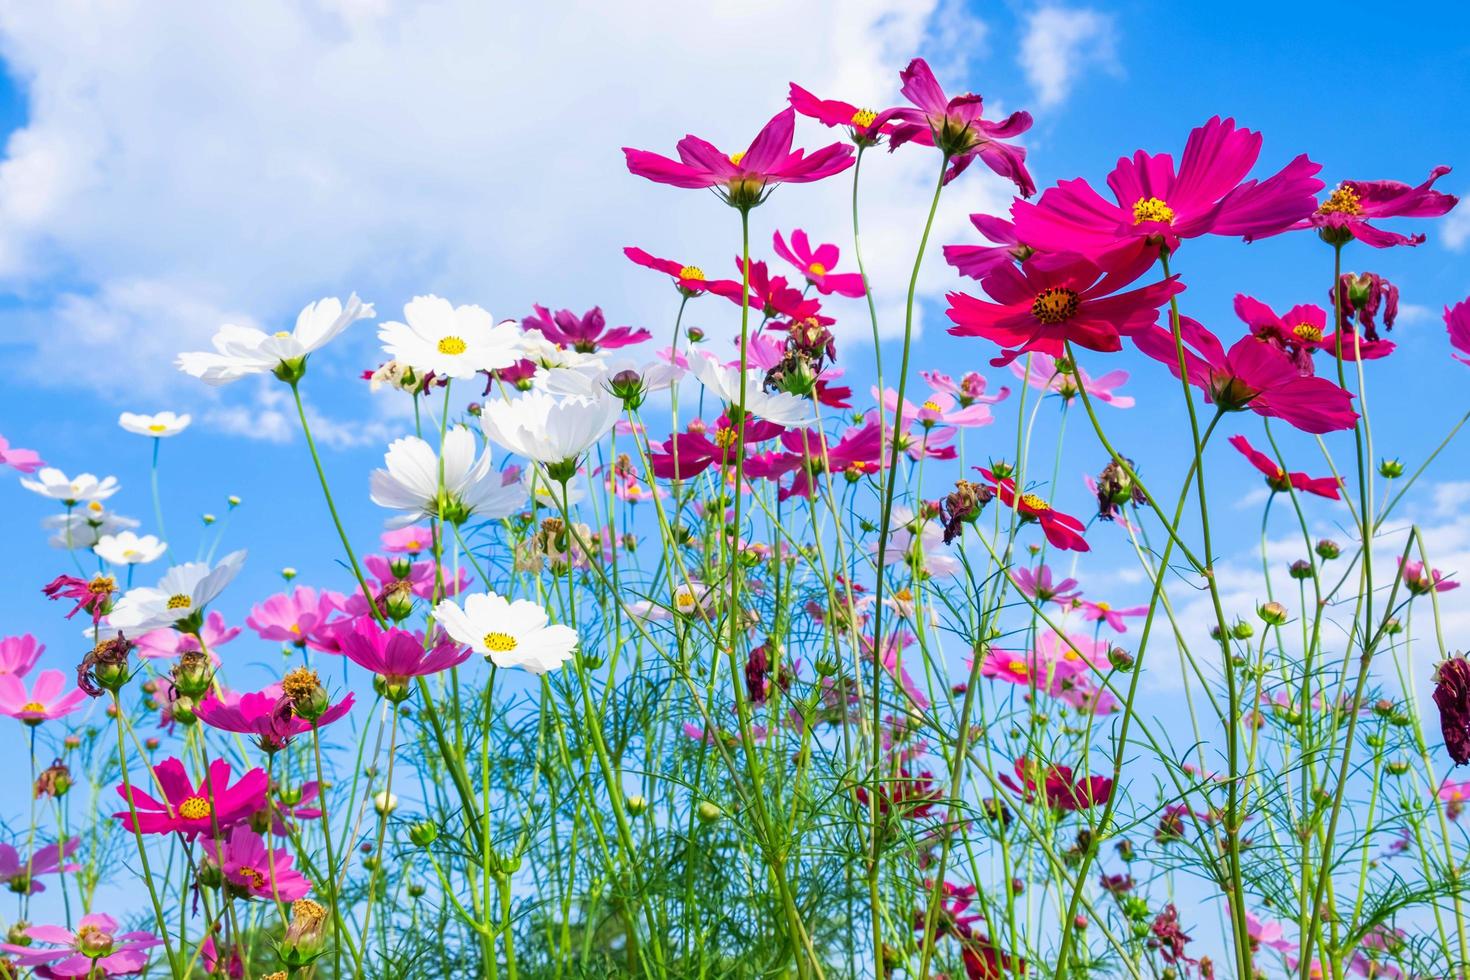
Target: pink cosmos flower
pixel 408 540
pixel 892 659
pixel 397 653
pixel 1063 530
pixel 698 451
pixel 1454 796
pixel 690 280
pixel 25 460
pixel 300 618
pixel 1278 479
pixel 1457 324
pixel 586 333
pixel 420 581
pixel 918 542
pixel 1267 934
pixel 1302 331
pixel 95 950
pixel 817 265
pixel 1055 786
pixel 1252 374
pixel 169 642
pixel 1155 205
pixel 833 112
pixel 260 713
pixel 94 594
pixel 256 871
pixel 1038 585
pixel 1066 380
pixel 1094 612
pixel 940 408
pixel 1057 298
pixel 192 811
pixel 1418 579
pixel 1348 211
pixel 45 700
pixel 918 442
pixel 957 128
pixel 810 453
pixel 743 179
pixel 771 296
pixel 977 261
pixel 968 390
pixel 18 654
pixel 20 875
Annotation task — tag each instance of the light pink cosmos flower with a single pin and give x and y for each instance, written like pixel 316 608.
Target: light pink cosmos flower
pixel 20 875
pixel 968 390
pixel 1454 796
pixel 169 642
pixel 1058 666
pixel 1094 612
pixel 1154 204
pixel 1457 324
pixel 45 700
pixel 918 542
pixel 1347 212
pixel 25 460
pixel 817 265
pixel 408 540
pixel 940 408
pixel 892 660
pixel 96 949
pixel 1038 585
pixel 743 179
pixel 300 618
pixel 18 654
pixel 1053 374
pixel 256 871
pixel 1267 934
pixel 1420 580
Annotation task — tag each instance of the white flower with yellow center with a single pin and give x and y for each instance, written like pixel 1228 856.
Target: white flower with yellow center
pixel 511 634
pixel 452 342
pixel 548 429
pixel 127 548
pixel 243 351
pixel 83 488
pixel 159 426
pixel 183 592
pixel 471 486
pixel 724 382
pixel 85 526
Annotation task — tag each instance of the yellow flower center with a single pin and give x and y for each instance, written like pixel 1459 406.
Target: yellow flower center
pixel 725 438
pixel 451 345
pixel 95 507
pixel 1307 332
pixel 282 334
pixel 1072 655
pixel 500 642
pixel 180 601
pixel 1344 200
pixel 692 272
pixel 735 158
pixel 1034 502
pixel 195 808
pixel 1018 667
pixel 1151 209
pixel 415 545
pixel 102 585
pixel 683 600
pixel 252 877
pixel 1104 607
pixel 295 628
pixel 817 269
pixel 930 406
pixel 35 706
pixel 130 553
pixel 1055 304
pixel 904 595
pixel 863 118
pixel 158 427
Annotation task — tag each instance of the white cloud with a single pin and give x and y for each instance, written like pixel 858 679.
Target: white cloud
pixel 1455 229
pixel 1060 44
pixel 185 165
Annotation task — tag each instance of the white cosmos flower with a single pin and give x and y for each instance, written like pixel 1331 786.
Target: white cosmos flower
pixel 687 599
pixel 779 407
pixel 453 342
pixel 85 526
pixel 51 482
pixel 927 547
pixel 548 429
pixel 548 354
pixel 183 591
pixel 127 548
pixel 592 379
pixel 411 481
pixel 511 634
pixel 242 351
pixel 158 426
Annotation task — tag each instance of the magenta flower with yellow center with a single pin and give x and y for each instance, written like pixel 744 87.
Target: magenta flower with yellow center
pixel 193 810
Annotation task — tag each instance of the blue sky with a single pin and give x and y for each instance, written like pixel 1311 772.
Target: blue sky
pixel 280 153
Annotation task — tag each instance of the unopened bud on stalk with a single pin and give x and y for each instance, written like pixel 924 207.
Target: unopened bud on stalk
pixel 385 803
pixel 416 889
pixel 1327 549
pixel 628 386
pixel 191 675
pixel 1390 469
pixel 695 335
pixel 182 710
pixel 1002 469
pixel 1272 614
pixel 1397 767
pixel 1392 626
pixel 1300 569
pixel 1120 659
pixel 1242 630
pixel 53 781
pixel 709 812
pixel 288 573
pixel 637 804
pixel 17 934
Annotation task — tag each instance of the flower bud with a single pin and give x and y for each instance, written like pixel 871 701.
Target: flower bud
pixel 401 566
pixel 694 334
pixel 1452 697
pixel 1397 767
pixel 395 689
pixel 17 934
pixel 305 937
pixel 1392 626
pixel 1327 549
pixel 288 573
pixel 637 804
pixel 709 812
pixel 1002 469
pixel 1272 613
pixel 423 833
pixel 474 409
pixel 182 710
pixel 628 386
pixel 208 519
pixel 232 500
pixel 54 781
pixel 385 803
pixel 1242 630
pixel 416 889
pixel 1300 569
pixel 209 875
pixel 1121 659
pixel 191 675
pixel 151 744
pixel 1390 469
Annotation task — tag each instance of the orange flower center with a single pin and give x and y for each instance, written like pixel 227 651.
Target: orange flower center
pixel 1307 332
pixel 1056 304
pixel 195 808
pixel 817 269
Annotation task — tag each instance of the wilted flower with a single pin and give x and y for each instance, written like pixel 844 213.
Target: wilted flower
pixel 1452 697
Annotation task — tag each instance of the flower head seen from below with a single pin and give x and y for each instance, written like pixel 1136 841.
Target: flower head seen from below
pixel 18 654
pixel 1348 212
pixel 46 700
pixel 83 489
pixel 510 633
pixel 450 341
pixel 1278 479
pixel 547 429
pixel 95 949
pixel 127 548
pixel 179 597
pixel 1063 530
pixel 744 178
pixel 243 351
pixel 724 382
pixel 818 265
pixel 1066 379
pixel 263 714
pixel 397 654
pixel 689 280
pixel 159 426
pixel 586 334
pixel 301 617
pixel 23 460
pixel 1457 325
pixel 861 123
pixel 418 484
pixel 20 874
pixel 254 871
pixel 191 811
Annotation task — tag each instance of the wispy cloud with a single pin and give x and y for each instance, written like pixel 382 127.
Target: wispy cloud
pixel 1061 44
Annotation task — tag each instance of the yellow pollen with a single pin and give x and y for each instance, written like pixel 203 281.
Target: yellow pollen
pixel 1055 304
pixel 1307 332
pixel 158 427
pixel 500 642
pixel 1018 667
pixel 633 490
pixel 1151 209
pixel 692 272
pixel 451 345
pixel 863 118
pixel 415 545
pixel 195 808
pixel 254 878
pixel 1072 655
pixel 735 158
pixel 295 629
pixel 1344 200
pixel 130 553
pixel 35 706
pixel 180 601
pixel 102 585
pixel 1034 502
pixel 725 438
pixel 904 595
pixel 817 269
pixel 930 406
pixel 95 507
pixel 683 600
pixel 1104 607
pixel 282 334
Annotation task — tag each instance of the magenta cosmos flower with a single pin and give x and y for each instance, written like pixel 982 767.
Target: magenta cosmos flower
pixel 261 714
pixel 817 264
pixel 1301 331
pixel 94 594
pixel 256 871
pixel 834 112
pixel 25 460
pixel 1154 203
pixel 1051 300
pixel 1278 479
pixel 20 875
pixel 1102 612
pixel 96 949
pixel 1347 212
pixel 1057 375
pixel 976 261
pixel 687 454
pixel 43 702
pixel 18 654
pixel 1457 324
pixel 194 811
pixel 408 540
pixel 300 618
pixel 1063 530
pixel 689 280
pixel 587 333
pixel 956 127
pixel 396 654
pixel 744 178
pixel 811 453
pixel 1252 374
pixel 1056 787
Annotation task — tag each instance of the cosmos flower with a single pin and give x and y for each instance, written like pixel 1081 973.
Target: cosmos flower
pixel 1054 299
pixel 260 713
pixel 410 540
pixel 127 548
pixel 940 408
pixel 159 426
pixel 254 871
pixel 24 460
pixel 832 112
pixel 687 454
pixel 1068 379
pixel 397 653
pixel 1302 331
pixel 85 488
pixel 1454 796
pixel 810 453
pixel 1157 206
pixel 969 390
pixel 1038 584
pixel 85 527
pixel 45 701
pixel 686 599
pixel 976 261
pixel 1252 374
pixel 1094 612
pixel 1452 698
pixel 1457 325
pixel 587 333
pixel 743 179
pixel 168 642
pixel 817 265
pixel 411 481
pixel 725 383
pixel 301 617
pixel 550 430
pixel 1421 580
pixel 452 342
pixel 1063 530
pixel 96 949
pixel 179 596
pixel 242 351
pixel 18 654
pixel 1056 787
pixel 689 280
pixel 1348 212
pixel 193 811
pixel 510 634
pixel 21 874
pixel 1278 479
pixel 918 543
pixel 94 594
pixel 956 126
